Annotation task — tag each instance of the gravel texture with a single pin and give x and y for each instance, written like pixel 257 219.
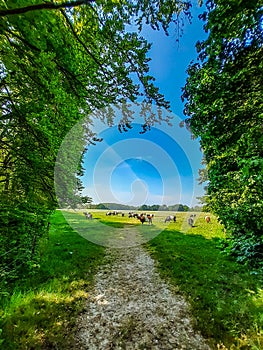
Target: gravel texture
pixel 131 308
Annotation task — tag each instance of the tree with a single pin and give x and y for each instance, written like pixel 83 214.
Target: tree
pixel 155 207
pixel 144 207
pixel 59 62
pixel 86 200
pixel 101 206
pixel 186 208
pixel 224 103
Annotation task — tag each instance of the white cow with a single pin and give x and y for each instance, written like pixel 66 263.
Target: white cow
pixel 88 215
pixel 170 218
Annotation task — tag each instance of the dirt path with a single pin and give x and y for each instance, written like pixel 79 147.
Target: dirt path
pixel 132 308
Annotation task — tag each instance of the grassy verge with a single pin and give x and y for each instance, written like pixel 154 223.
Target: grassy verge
pixel 226 298
pixel 40 312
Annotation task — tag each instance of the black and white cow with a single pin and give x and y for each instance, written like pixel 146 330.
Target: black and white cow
pixel 88 215
pixel 170 218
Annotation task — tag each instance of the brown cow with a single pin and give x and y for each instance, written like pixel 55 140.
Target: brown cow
pixel 141 218
pixel 150 218
pixel 207 219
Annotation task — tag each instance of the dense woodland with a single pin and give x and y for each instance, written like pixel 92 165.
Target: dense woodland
pixel 224 103
pixel 61 61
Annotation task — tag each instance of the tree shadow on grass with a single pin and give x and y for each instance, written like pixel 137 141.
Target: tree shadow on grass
pixel 42 309
pixel 45 320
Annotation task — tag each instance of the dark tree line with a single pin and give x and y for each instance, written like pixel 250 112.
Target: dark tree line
pixel 224 104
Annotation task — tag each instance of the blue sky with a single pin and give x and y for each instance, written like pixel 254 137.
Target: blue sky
pixel 170 59
pixel 160 166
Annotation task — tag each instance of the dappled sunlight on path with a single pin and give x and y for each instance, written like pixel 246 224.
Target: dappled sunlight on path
pixel 132 308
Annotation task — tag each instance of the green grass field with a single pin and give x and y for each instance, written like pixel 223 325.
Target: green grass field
pixel 225 297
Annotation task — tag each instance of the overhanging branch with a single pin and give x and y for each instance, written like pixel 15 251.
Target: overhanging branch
pixel 44 6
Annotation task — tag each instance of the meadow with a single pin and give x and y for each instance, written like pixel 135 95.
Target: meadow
pixel 225 297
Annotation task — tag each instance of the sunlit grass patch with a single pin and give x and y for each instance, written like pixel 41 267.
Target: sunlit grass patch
pixel 99 230
pixel 41 311
pixel 225 298
pixel 111 230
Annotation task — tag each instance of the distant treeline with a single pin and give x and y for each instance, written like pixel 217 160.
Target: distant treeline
pixel 145 207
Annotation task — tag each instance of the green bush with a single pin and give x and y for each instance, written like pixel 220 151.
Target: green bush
pixel 21 229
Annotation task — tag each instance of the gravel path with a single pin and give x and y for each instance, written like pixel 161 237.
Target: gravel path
pixel 132 308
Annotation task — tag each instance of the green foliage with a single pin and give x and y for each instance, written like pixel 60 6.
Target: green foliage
pixel 226 298
pixel 158 207
pixel 86 200
pixel 224 104
pixel 58 63
pixel 21 229
pixel 101 206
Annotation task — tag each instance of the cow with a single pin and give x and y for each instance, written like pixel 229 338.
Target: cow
pixel 115 212
pixel 88 215
pixel 207 219
pixel 133 215
pixel 150 218
pixel 191 220
pixel 170 218
pixel 141 218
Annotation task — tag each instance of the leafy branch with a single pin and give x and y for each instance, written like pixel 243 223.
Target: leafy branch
pixel 44 6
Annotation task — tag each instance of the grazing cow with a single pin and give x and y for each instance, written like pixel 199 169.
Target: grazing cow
pixel 170 218
pixel 133 215
pixel 207 219
pixel 141 218
pixel 191 221
pixel 150 218
pixel 88 215
pixel 109 213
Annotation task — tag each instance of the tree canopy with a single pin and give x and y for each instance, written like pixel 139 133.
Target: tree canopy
pixel 60 61
pixel 224 103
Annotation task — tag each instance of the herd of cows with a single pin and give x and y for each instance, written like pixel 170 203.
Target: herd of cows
pixel 149 217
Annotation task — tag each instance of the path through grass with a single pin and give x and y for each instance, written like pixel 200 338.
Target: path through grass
pixel 226 298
